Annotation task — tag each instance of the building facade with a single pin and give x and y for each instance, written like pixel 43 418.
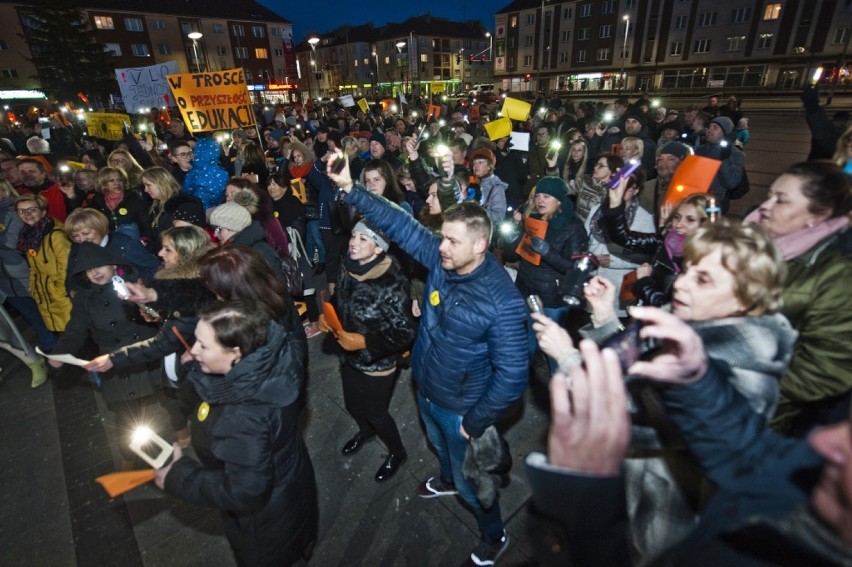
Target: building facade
pixel 422 56
pixel 232 35
pixel 648 45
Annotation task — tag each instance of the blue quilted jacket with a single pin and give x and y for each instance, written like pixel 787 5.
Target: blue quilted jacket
pixel 471 354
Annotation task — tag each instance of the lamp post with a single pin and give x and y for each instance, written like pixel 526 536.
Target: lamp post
pixel 313 41
pixel 195 36
pixel 624 52
pixel 399 45
pixel 378 75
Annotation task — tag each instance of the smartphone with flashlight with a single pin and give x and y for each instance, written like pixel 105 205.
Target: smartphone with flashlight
pixel 338 163
pixel 817 76
pixel 419 135
pixel 626 170
pixel 150 447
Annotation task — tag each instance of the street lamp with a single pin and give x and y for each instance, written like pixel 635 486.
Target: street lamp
pixel 399 45
pixel 313 41
pixel 624 51
pixel 195 36
pixel 378 75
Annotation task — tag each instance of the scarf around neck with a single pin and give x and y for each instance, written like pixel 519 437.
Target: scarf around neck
pixel 797 243
pixel 31 237
pixel 674 248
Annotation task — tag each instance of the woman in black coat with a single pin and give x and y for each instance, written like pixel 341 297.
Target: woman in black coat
pixel 254 466
pixel 371 299
pixel 565 238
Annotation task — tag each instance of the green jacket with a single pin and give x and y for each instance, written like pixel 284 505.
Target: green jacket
pixel 818 303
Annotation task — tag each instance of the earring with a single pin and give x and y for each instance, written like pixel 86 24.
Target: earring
pixel 810 224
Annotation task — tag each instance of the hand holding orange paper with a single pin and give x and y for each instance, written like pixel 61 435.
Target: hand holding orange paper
pixel 693 175
pixel 532 227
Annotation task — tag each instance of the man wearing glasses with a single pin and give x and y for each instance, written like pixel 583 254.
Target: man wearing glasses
pixel 180 154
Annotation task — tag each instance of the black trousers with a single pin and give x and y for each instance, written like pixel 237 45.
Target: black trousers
pixel 367 399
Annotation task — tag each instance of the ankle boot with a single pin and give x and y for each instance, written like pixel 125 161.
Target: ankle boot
pixel 390 466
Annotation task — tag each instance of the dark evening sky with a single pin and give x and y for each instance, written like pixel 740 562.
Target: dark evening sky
pixel 319 17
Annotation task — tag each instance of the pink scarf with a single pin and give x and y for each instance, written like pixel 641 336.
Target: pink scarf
pixel 797 243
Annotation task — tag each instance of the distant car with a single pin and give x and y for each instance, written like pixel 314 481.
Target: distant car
pixel 479 90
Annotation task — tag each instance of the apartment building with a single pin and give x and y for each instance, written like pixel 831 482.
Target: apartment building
pixel 652 44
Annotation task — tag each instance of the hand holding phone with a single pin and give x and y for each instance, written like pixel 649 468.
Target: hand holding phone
pixel 626 170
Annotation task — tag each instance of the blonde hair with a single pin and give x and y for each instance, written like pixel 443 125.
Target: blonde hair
pixel 699 200
pixel 750 255
pixel 80 219
pixel 308 154
pixel 640 145
pixel 166 183
pixel 104 172
pixel 134 171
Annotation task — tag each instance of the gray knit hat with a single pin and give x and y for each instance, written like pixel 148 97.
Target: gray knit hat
pixel 232 216
pixel 373 233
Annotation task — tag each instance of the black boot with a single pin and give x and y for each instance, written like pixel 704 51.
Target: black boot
pixel 390 466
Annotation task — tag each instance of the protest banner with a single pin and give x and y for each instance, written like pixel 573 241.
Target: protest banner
pixel 362 104
pixel 693 175
pixel 348 101
pixel 532 228
pixel 106 125
pixel 215 100
pixel 143 88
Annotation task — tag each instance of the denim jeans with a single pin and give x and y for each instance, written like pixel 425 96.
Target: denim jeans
pixel 443 429
pixel 313 244
pixel 555 313
pixel 27 307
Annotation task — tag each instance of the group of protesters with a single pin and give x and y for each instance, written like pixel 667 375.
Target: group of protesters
pixel 185 267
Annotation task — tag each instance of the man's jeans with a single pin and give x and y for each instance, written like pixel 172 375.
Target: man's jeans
pixel 443 429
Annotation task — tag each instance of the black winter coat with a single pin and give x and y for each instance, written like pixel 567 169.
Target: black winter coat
pixel 378 306
pixel 567 237
pixel 656 289
pixel 254 465
pixel 254 237
pixel 112 323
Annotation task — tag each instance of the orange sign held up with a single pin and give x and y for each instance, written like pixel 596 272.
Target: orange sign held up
pixel 532 227
pixel 693 175
pixel 330 315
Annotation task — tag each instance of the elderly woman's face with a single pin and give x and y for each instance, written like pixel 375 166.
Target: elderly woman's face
pixel 86 234
pixel 705 290
pixel 83 181
pixel 785 210
pixel 114 183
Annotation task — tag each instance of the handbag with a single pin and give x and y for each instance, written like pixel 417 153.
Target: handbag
pixel 291 273
pixel 299 255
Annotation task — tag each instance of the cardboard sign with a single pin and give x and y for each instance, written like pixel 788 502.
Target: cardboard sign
pixel 693 175
pixel 106 125
pixel 532 227
pixel 515 109
pixel 143 88
pixel 363 105
pixel 499 128
pixel 433 111
pixel 348 101
pixel 215 100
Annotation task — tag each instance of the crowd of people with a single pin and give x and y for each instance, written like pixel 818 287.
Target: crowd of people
pixel 413 239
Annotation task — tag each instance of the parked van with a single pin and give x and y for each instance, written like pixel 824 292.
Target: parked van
pixel 482 89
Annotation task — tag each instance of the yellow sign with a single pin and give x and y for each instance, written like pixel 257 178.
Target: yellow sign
pixel 362 104
pixel 106 125
pixel 516 109
pixel 215 100
pixel 437 87
pixel 499 128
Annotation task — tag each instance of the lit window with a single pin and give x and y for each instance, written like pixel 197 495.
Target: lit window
pixel 261 53
pixel 104 23
pixel 772 12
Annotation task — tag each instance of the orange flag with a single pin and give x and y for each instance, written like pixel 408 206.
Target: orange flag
pixel 118 483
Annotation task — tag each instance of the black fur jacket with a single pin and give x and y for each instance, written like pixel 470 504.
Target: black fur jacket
pixel 376 305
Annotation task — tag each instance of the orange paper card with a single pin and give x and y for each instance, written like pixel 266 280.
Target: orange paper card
pixel 330 315
pixel 118 483
pixel 693 175
pixel 532 227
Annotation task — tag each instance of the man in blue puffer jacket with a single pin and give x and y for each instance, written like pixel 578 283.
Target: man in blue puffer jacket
pixel 470 359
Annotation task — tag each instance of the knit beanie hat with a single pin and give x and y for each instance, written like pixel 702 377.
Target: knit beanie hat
pixel 676 149
pixel 380 138
pixel 373 233
pixel 553 186
pixel 232 216
pixel 191 212
pixel 725 123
